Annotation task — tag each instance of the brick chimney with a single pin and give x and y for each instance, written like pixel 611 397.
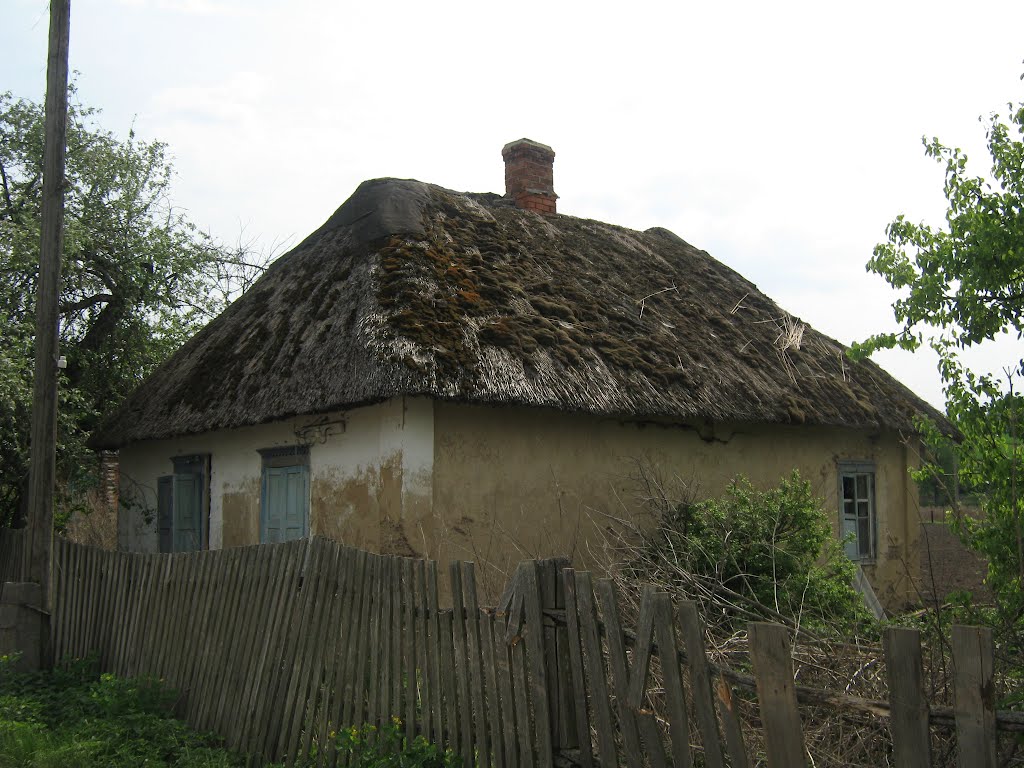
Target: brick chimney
pixel 529 175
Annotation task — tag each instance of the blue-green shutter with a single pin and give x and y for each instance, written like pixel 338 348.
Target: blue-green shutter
pixel 188 505
pixel 285 503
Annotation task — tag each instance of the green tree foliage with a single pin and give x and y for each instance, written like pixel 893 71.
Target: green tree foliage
pixel 138 278
pixel 962 284
pixel 756 555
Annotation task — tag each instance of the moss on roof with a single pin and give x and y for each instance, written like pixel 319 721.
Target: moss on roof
pixel 413 289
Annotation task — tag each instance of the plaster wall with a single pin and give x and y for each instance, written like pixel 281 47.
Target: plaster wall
pixel 512 484
pixel 370 476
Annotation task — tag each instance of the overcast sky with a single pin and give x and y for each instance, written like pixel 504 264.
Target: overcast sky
pixel 781 137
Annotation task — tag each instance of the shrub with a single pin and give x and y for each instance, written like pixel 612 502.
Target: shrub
pixel 75 716
pixel 752 555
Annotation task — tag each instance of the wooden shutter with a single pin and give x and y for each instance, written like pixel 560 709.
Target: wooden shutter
pixel 285 503
pixel 188 507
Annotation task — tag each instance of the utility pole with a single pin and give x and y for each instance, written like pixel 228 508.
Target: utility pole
pixel 42 470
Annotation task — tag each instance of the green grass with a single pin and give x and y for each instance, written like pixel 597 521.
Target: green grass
pixel 78 717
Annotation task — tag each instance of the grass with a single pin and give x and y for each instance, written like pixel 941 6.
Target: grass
pixel 75 716
pixel 78 717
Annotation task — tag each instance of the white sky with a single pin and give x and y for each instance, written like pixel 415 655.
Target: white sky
pixel 781 137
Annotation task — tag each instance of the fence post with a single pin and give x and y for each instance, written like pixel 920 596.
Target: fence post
pixel 909 719
pixel 974 697
pixel 776 696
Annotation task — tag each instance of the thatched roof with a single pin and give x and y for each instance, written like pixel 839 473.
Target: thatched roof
pixel 413 289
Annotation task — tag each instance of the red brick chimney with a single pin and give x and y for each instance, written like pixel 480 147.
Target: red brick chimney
pixel 529 175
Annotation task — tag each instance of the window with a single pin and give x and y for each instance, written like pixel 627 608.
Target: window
pixel 284 504
pixel 182 502
pixel 857 510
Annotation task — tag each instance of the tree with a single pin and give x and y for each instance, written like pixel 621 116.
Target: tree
pixel 138 278
pixel 963 285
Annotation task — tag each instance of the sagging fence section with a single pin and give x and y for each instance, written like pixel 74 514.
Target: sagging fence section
pixel 276 647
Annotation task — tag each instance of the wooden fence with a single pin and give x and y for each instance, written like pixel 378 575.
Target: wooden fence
pixel 275 647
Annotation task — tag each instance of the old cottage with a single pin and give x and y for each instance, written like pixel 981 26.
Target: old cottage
pixel 475 376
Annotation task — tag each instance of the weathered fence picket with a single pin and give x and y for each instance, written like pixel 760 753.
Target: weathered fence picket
pixel 275 647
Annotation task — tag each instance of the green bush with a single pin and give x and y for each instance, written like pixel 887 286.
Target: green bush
pixel 76 717
pixel 754 554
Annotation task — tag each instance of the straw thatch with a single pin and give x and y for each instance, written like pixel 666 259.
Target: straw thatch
pixel 413 289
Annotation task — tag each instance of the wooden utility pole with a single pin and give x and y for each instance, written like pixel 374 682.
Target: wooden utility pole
pixel 42 472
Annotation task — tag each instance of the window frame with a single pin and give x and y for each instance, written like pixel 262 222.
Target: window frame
pixel 855 469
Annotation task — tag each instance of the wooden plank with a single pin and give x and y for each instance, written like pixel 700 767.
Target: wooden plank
pixel 239 651
pixel 204 618
pixel 79 648
pixel 270 572
pixel 143 566
pixel 569 739
pixel 354 703
pixel 111 628
pixel 908 721
pixel 294 704
pixel 179 652
pixel 311 651
pixel 288 656
pixel 452 733
pixel 212 638
pixel 423 651
pixel 546 571
pixel 503 658
pixel 288 612
pixel 273 571
pixel 387 647
pixel 700 677
pixel 409 641
pixel 538 671
pixel 731 725
pixel 102 608
pixel 161 627
pixel 974 697
pixel 475 668
pixel 145 600
pixel 376 639
pixel 620 672
pixel 331 656
pixel 672 679
pixel 88 599
pixel 653 747
pixel 397 608
pixel 466 725
pixel 123 586
pixel 642 649
pixel 343 627
pixel 776 697
pixel 57 626
pixel 594 658
pixel 579 684
pixel 522 694
pixel 434 630
pixel 490 665
pixel 74 609
pixel 217 663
